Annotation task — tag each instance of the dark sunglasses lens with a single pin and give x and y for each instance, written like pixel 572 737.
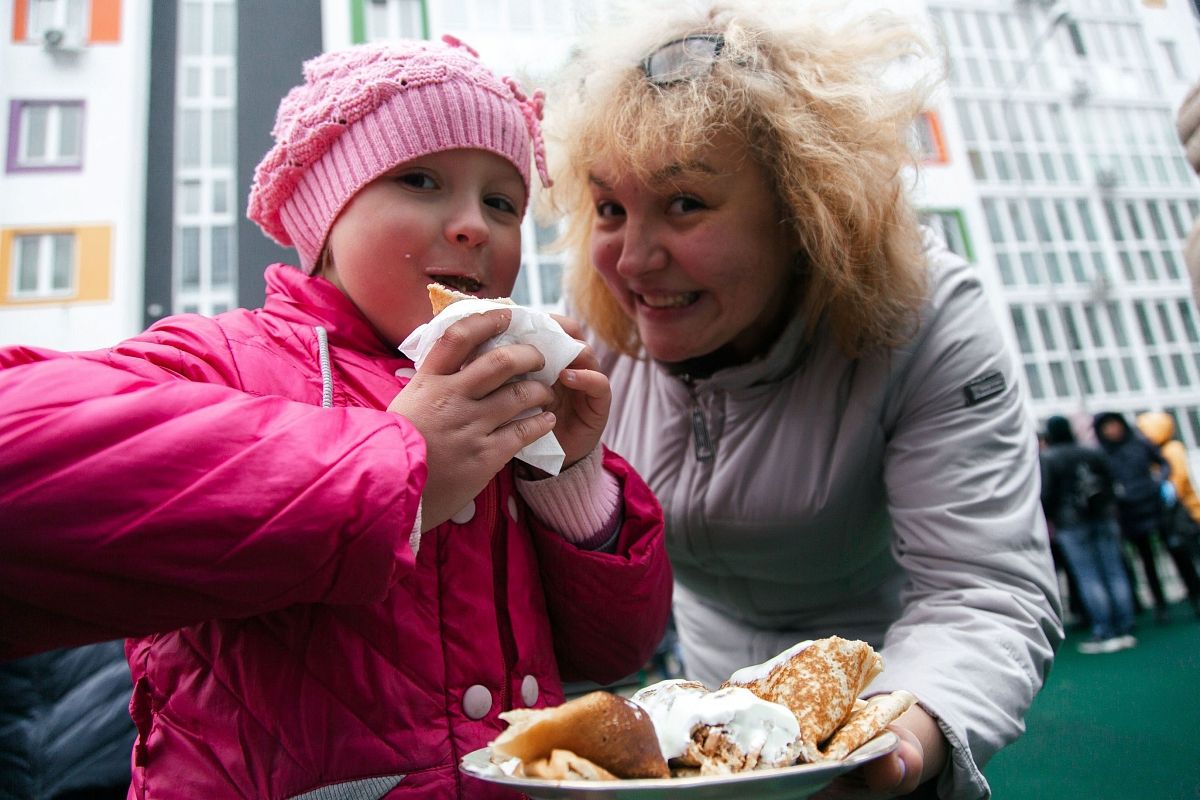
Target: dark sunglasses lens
pixel 687 58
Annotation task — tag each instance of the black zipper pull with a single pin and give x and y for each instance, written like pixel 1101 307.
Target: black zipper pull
pixel 704 445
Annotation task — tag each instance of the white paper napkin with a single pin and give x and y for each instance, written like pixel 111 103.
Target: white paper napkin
pixel 528 326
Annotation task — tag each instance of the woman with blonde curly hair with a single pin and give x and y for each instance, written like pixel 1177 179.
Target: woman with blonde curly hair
pixel 815 388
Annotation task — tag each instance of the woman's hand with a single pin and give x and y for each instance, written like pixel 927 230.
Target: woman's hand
pixel 920 757
pixel 582 398
pixel 468 412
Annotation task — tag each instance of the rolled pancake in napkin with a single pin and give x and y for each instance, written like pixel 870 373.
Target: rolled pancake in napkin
pixel 866 722
pixel 818 681
pixel 527 326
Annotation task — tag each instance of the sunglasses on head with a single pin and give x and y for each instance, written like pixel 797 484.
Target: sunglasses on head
pixel 683 59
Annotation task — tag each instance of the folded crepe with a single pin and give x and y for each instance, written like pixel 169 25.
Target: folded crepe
pixel 818 681
pixel 867 720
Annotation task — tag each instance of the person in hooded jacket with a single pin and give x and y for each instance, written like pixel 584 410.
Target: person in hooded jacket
pixel 816 389
pixel 1138 468
pixel 1183 515
pixel 1078 498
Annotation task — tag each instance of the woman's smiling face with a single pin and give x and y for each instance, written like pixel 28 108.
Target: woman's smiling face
pixel 697 255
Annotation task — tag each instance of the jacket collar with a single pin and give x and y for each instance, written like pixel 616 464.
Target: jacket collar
pixel 309 300
pixel 781 360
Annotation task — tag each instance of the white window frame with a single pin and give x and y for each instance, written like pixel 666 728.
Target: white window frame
pixel 53 155
pixel 393 19
pixel 46 244
pixel 72 17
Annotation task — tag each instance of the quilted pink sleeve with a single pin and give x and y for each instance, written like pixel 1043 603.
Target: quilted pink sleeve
pixel 133 506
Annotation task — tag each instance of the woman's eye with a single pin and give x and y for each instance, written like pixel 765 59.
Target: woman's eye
pixel 501 203
pixel 685 203
pixel 607 208
pixel 417 180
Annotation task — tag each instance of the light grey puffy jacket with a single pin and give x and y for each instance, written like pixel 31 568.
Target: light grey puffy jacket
pixel 894 498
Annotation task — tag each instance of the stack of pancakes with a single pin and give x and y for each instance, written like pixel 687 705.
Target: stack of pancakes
pixel 801 706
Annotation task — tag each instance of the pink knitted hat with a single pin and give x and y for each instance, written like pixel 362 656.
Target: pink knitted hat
pixel 365 109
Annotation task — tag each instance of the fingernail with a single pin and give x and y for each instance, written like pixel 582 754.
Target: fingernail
pixel 569 376
pixel 903 771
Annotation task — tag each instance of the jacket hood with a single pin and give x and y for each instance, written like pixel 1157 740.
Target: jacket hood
pixel 1105 416
pixel 1058 431
pixel 1157 426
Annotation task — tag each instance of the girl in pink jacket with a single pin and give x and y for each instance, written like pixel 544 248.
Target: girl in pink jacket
pixel 332 576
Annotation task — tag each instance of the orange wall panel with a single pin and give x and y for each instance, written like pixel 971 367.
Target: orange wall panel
pixel 20 29
pixel 106 21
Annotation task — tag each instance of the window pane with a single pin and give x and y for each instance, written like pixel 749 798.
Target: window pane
pixel 223 39
pixel 64 262
pixel 1058 375
pixel 222 138
pixel 27 263
pixel 221 256
pixel 1118 325
pixel 1131 374
pixel 33 136
pixel 1108 378
pixel 69 132
pixel 189 192
pixel 1021 326
pixel 1036 390
pixel 1189 322
pixel 189 139
pixel 220 196
pixel 551 274
pixel 191 28
pixel 1180 368
pixel 189 258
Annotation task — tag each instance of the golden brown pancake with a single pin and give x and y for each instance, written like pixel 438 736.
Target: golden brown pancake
pixel 605 729
pixel 820 684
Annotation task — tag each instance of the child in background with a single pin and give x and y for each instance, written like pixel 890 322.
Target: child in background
pixel 333 577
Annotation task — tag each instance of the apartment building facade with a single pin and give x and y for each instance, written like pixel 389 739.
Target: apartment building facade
pixel 1049 161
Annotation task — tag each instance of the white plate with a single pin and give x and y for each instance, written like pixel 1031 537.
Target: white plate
pixel 783 783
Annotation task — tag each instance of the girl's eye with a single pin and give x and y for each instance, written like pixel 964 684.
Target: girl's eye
pixel 501 203
pixel 417 180
pixel 607 208
pixel 684 203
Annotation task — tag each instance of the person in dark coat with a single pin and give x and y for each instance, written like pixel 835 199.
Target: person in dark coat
pixel 1138 469
pixel 65 729
pixel 1078 499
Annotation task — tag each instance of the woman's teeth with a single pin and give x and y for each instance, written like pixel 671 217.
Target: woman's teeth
pixel 669 300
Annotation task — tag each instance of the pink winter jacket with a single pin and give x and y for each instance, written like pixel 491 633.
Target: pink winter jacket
pixel 187 489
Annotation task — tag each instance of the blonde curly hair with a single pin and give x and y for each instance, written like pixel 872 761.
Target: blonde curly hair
pixel 814 92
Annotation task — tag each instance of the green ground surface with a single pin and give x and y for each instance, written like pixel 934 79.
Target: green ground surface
pixel 1118 725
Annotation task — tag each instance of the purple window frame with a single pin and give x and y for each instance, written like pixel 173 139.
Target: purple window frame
pixel 15 110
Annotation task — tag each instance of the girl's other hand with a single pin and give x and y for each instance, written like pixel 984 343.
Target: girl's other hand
pixel 468 412
pixel 582 399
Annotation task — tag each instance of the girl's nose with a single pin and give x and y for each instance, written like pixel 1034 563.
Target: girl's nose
pixel 467 226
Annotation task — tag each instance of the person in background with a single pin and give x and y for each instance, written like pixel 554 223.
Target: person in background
pixel 815 388
pixel 334 577
pixel 1183 515
pixel 65 731
pixel 1078 498
pixel 1138 468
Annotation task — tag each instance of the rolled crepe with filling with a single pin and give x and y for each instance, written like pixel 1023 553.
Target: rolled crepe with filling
pixel 604 729
pixel 819 681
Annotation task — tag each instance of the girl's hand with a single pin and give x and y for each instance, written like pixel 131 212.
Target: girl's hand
pixel 920 757
pixel 582 398
pixel 467 412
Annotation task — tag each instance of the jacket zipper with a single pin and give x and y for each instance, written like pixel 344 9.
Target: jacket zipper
pixel 703 442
